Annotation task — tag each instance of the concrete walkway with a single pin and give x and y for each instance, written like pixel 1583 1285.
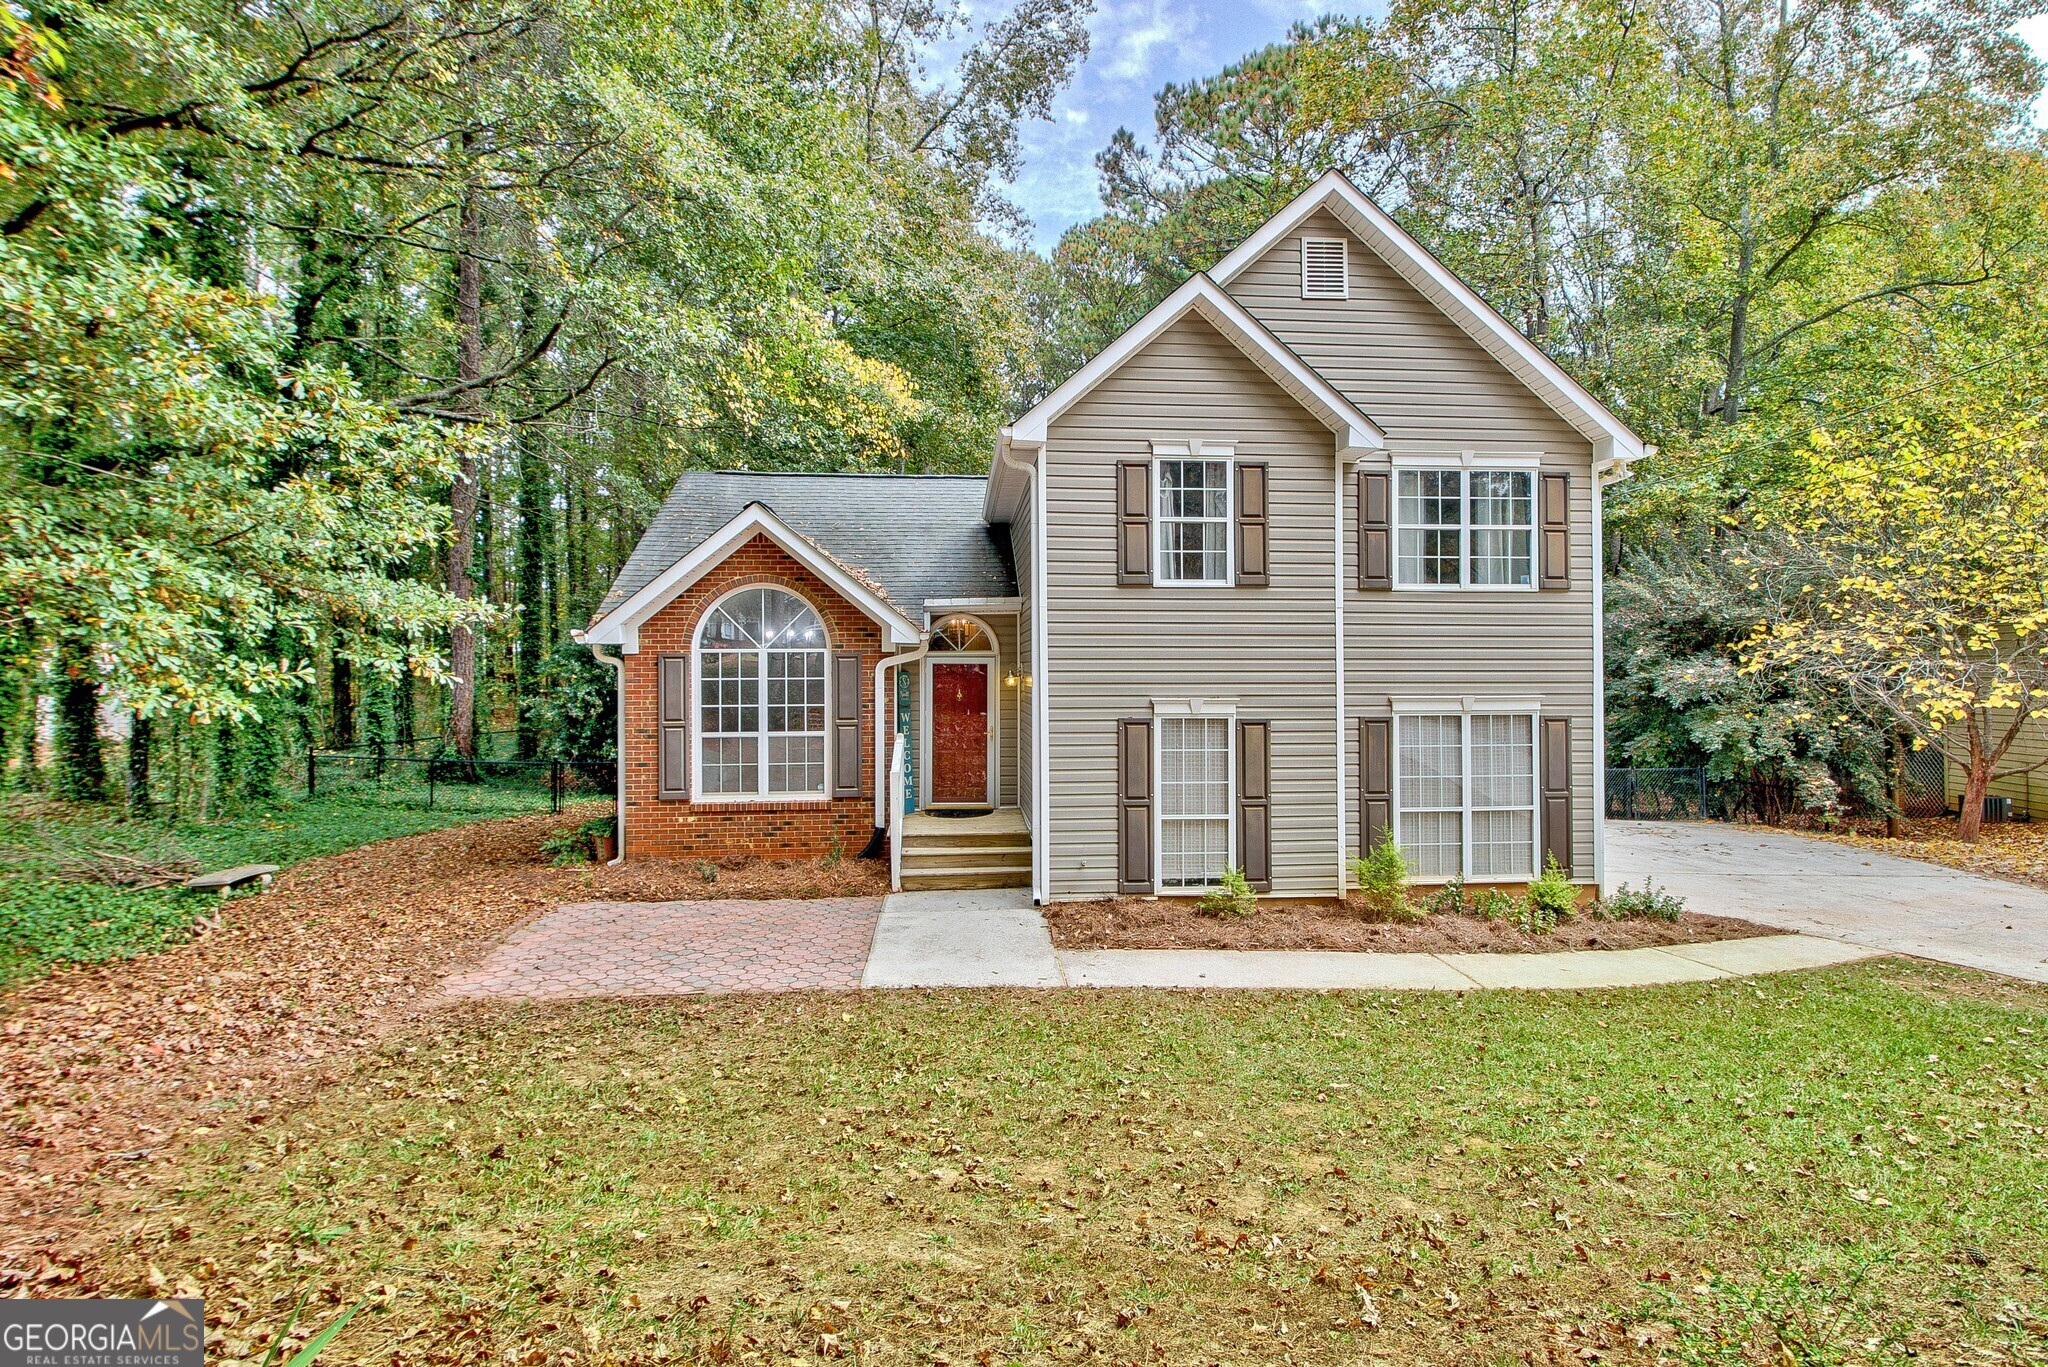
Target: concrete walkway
pixel 1818 887
pixel 998 939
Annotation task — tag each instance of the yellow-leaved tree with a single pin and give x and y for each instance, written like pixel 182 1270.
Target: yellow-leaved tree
pixel 1908 563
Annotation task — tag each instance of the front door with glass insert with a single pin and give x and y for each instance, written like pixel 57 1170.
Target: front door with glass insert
pixel 959 764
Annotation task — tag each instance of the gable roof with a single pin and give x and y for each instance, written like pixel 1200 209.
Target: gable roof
pixel 1201 296
pixel 1611 437
pixel 888 543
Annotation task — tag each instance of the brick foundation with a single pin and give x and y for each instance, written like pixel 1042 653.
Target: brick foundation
pixel 654 828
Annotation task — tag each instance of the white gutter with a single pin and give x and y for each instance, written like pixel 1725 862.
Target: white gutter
pixel 882 778
pixel 1041 778
pixel 619 765
pixel 1337 609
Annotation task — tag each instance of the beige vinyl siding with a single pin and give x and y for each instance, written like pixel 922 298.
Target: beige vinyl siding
pixel 1113 650
pixel 1394 354
pixel 1435 391
pixel 1021 743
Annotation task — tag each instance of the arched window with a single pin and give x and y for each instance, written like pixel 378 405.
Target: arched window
pixel 962 634
pixel 761 697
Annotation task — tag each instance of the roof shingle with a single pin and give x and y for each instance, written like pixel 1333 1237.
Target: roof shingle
pixel 916 537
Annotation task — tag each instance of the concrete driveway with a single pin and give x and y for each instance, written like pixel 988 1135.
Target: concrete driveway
pixel 1817 887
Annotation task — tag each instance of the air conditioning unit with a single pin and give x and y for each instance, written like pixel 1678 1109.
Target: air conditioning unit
pixel 1998 809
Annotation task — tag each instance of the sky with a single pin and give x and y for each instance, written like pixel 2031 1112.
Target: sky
pixel 1140 45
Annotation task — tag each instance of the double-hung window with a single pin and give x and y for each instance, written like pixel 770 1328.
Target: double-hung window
pixel 761 697
pixel 1194 800
pixel 1465 528
pixel 1465 794
pixel 1193 520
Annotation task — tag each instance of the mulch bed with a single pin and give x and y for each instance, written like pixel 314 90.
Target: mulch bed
pixel 106 1069
pixel 1173 923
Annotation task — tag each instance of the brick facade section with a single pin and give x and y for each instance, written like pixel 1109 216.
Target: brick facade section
pixel 658 829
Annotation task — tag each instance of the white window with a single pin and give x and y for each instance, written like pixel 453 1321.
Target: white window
pixel 1193 520
pixel 1470 528
pixel 761 697
pixel 1323 269
pixel 1194 800
pixel 1465 789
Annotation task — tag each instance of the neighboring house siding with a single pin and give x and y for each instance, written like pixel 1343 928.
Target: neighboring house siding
pixel 1113 650
pixel 1436 391
pixel 667 829
pixel 1021 552
pixel 2029 750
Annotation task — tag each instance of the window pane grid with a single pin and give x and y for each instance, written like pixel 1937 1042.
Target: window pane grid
pixel 1194 521
pixel 1467 792
pixel 761 677
pixel 1194 800
pixel 1475 529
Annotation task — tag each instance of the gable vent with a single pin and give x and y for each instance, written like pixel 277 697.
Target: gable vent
pixel 1323 273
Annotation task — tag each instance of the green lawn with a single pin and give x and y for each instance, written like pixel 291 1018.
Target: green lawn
pixel 49 916
pixel 1831 1167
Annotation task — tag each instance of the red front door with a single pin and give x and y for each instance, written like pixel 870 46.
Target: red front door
pixel 960 733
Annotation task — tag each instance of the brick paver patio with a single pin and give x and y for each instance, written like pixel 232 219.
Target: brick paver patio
pixel 663 949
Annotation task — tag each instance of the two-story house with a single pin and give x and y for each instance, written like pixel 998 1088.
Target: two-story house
pixel 1305 559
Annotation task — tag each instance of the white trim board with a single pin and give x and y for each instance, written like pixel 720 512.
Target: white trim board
pixel 621 626
pixel 1202 297
pixel 1611 437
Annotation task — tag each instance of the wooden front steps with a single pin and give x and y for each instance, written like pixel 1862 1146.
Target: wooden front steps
pixel 990 851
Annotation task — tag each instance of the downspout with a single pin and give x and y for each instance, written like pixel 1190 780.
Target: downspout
pixel 1605 472
pixel 1041 779
pixel 1337 612
pixel 619 666
pixel 875 842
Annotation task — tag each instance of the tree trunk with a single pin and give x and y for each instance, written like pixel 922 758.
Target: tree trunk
pixel 139 803
pixel 1976 782
pixel 462 499
pixel 535 523
pixel 1895 820
pixel 344 729
pixel 81 763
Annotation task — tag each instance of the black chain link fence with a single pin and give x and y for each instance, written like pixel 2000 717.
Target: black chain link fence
pixel 1690 795
pixel 509 787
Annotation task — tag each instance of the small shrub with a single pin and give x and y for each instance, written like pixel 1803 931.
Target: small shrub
pixel 1448 900
pixel 1491 904
pixel 707 871
pixel 566 848
pixel 1532 918
pixel 1648 903
pixel 1383 883
pixel 1554 891
pixel 1232 896
pixel 834 853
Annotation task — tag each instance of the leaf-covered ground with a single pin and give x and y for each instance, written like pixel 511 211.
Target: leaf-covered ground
pixel 2015 850
pixel 1843 1166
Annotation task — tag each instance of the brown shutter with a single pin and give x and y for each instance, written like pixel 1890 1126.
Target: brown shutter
pixel 1252 536
pixel 1134 522
pixel 1255 803
pixel 1556 532
pixel 1375 782
pixel 846 725
pixel 673 672
pixel 1557 791
pixel 1134 805
pixel 1375 530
